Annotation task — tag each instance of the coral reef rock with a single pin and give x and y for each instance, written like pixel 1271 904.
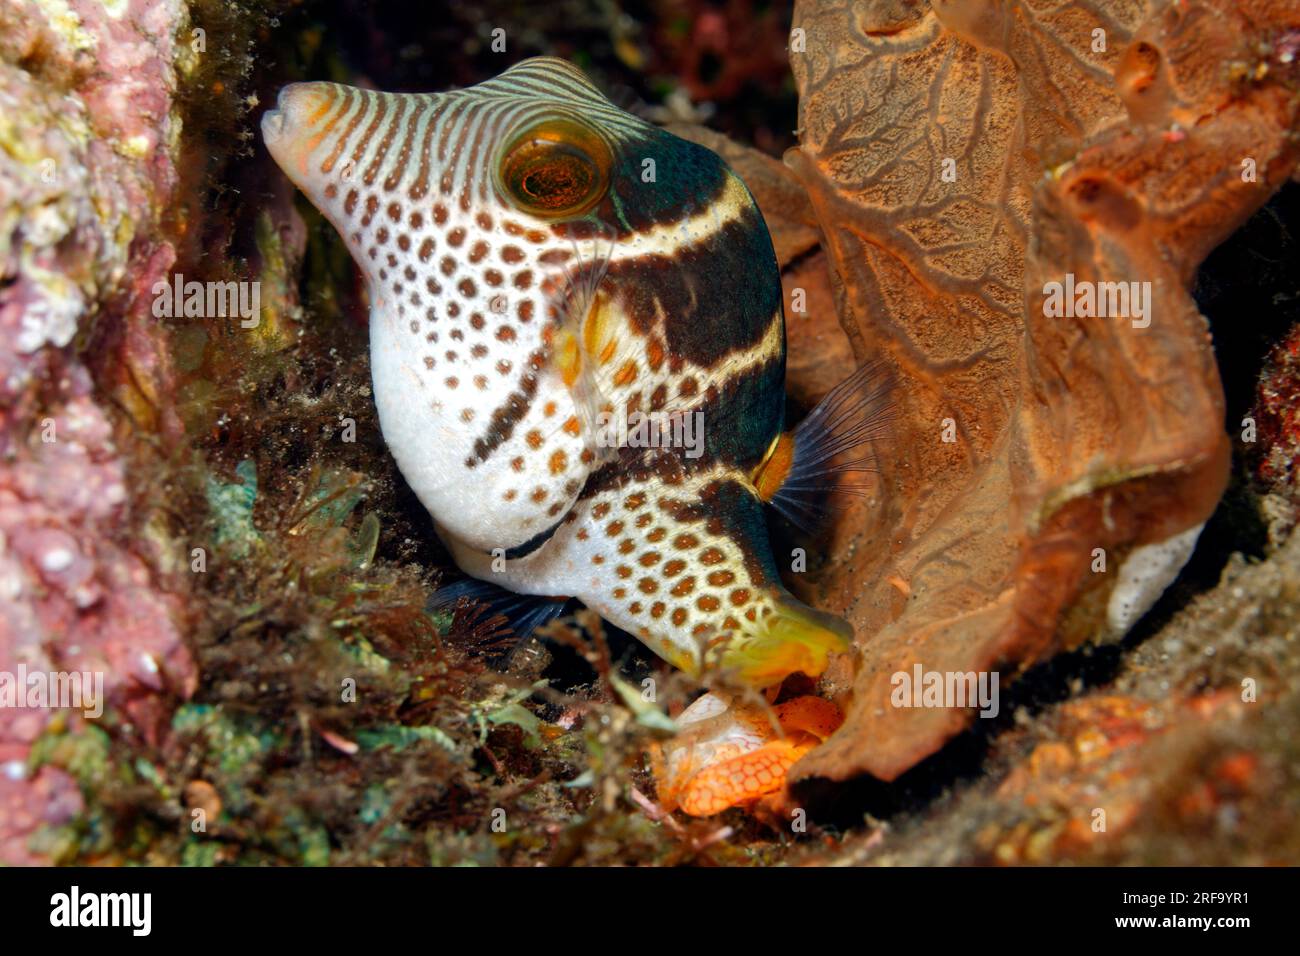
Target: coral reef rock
pixel 86 145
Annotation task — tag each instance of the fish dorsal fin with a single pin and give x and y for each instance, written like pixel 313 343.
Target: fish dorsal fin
pixel 829 452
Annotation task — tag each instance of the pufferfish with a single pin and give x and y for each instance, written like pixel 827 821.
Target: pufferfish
pixel 557 290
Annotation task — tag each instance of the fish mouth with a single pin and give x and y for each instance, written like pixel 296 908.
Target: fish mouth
pixel 272 125
pixel 298 110
pixel 275 122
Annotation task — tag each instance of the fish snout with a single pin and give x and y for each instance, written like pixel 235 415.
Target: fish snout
pixel 295 126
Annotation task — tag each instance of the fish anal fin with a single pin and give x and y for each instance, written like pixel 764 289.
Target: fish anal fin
pixel 507 612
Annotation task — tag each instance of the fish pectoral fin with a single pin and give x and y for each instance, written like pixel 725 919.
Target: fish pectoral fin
pixel 592 408
pixel 586 336
pixel 829 451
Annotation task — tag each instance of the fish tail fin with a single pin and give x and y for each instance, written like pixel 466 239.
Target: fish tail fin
pixel 794 638
pixel 829 451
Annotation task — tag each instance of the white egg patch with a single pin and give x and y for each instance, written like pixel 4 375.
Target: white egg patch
pixel 1143 577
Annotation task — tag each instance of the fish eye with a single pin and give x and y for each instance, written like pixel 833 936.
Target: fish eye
pixel 555 168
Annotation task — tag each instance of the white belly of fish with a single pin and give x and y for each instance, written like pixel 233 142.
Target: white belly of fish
pixel 432 418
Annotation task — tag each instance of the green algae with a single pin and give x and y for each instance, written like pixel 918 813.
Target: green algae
pixel 232 510
pixel 646 711
pixel 84 753
pixel 399 737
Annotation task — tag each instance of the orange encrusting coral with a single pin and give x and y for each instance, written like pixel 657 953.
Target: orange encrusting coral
pixel 743 767
pixel 742 779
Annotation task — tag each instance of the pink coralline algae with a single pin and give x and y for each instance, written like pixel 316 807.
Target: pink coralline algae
pixel 87 141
